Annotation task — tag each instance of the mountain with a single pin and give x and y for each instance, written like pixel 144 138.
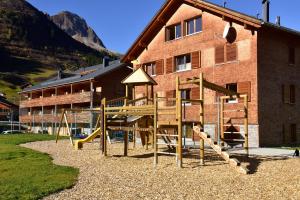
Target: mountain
pixel 77 28
pixel 32 47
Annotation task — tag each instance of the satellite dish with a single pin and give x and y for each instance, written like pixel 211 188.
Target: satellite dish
pixel 229 33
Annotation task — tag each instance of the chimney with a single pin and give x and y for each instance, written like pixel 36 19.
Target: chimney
pixel 266 10
pixel 278 23
pixel 59 73
pixel 106 61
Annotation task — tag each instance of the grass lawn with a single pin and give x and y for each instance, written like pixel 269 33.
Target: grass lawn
pixel 28 174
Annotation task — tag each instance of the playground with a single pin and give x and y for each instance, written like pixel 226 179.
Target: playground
pixel 133 177
pixel 161 165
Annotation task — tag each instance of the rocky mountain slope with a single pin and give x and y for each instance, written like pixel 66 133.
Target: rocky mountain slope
pixel 77 28
pixel 32 47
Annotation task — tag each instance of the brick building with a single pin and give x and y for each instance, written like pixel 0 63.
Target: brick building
pixel 41 105
pixel 237 51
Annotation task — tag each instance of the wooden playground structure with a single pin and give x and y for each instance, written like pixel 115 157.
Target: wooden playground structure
pixel 160 119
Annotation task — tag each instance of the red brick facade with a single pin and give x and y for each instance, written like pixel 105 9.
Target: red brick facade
pixel 256 61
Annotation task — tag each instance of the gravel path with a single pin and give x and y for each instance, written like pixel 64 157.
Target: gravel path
pixel 133 177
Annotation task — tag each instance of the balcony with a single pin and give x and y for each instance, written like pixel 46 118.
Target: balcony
pixel 82 97
pixel 82 117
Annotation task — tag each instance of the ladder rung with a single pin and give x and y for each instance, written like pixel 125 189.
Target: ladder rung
pixel 167 144
pixel 234 140
pixel 166 108
pixel 166 153
pixel 233 110
pixel 167 135
pixel 226 118
pixel 230 125
pixel 233 132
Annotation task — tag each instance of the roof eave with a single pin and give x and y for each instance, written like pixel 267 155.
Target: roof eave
pixel 158 19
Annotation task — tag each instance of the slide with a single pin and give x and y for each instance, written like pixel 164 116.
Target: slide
pixel 79 143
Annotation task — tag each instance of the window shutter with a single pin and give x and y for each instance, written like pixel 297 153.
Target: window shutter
pixel 167 30
pixel 195 60
pixel 170 94
pixel 292 94
pixel 195 94
pixel 244 88
pixel 286 94
pixel 169 65
pixel 184 28
pixel 160 67
pixel 231 52
pixel 219 55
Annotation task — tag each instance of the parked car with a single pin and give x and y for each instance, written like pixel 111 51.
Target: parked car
pixel 12 132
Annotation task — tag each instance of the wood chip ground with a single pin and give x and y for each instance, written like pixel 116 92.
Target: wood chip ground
pixel 133 177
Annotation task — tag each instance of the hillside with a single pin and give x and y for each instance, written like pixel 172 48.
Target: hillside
pixel 77 28
pixel 32 47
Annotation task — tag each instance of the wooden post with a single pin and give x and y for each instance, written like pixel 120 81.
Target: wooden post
pixel 104 139
pixel 60 124
pixel 152 94
pixel 68 128
pixel 125 143
pixel 136 124
pixel 179 118
pixel 126 94
pixel 201 118
pixel 155 131
pixel 246 125
pixel 146 137
pixel 147 94
pixel 222 120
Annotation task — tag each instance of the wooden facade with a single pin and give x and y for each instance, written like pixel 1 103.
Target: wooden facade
pixel 41 108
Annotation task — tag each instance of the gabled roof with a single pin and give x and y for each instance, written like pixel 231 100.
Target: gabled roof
pixel 4 101
pixel 99 70
pixel 171 6
pixel 139 77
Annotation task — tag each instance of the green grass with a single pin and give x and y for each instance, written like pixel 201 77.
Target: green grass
pixel 28 174
pixel 10 83
pixel 44 74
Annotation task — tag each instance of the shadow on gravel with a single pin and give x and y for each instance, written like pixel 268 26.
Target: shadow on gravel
pixel 253 162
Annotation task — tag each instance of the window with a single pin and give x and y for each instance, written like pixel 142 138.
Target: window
pixel 186 94
pixel 151 69
pixel 173 32
pixel 227 53
pixel 193 25
pixel 183 62
pixel 232 87
pixel 289 94
pixel 292 59
pixel 292 94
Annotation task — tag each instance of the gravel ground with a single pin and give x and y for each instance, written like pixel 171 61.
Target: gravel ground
pixel 133 177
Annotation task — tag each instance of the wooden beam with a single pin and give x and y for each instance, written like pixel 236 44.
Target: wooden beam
pixel 201 92
pixel 126 143
pixel 155 131
pixel 60 123
pixel 179 123
pixel 246 125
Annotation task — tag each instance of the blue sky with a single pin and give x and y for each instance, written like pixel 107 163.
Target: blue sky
pixel 119 22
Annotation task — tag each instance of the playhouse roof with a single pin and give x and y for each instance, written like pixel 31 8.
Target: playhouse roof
pixel 139 77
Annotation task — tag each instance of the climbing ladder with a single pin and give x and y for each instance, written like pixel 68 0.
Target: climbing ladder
pixel 230 120
pixel 220 151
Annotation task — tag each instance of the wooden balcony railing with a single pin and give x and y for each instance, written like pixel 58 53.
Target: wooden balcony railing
pixel 83 97
pixel 81 117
